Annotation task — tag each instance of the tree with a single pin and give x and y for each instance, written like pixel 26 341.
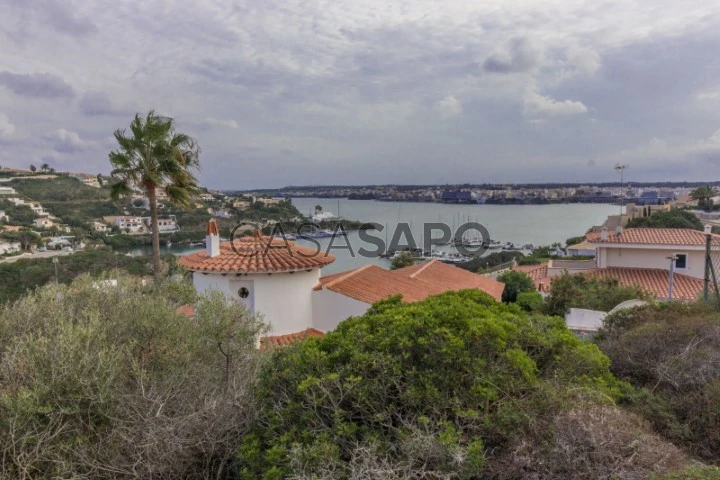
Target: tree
pixel 33 168
pixel 45 167
pixel 703 195
pixel 515 283
pixel 456 386
pixel 109 381
pixel 583 291
pixel 154 156
pixel 671 219
pixel 100 179
pixel 401 260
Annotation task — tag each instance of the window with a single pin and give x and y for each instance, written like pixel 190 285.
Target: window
pixel 244 292
pixel 681 261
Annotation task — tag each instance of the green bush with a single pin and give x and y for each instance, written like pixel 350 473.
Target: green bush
pixel 530 301
pixel 583 291
pixel 101 381
pixel 515 283
pixel 671 219
pixel 671 353
pixel 432 389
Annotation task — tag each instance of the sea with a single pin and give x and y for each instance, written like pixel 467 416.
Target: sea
pixel 519 224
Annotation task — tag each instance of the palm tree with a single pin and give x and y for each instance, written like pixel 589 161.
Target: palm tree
pixel 45 167
pixel 155 156
pixel 703 196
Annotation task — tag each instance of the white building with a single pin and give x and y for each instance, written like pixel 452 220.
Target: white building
pixel 43 222
pixel 130 224
pixel 3 216
pixel 7 191
pixel 99 227
pixel 281 281
pixel 9 247
pixel 87 179
pixel 166 224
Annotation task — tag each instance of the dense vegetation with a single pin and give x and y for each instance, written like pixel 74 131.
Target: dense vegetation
pixel 582 291
pixel 671 353
pixel 671 219
pixel 454 387
pixel 110 382
pixel 17 277
pixel 515 283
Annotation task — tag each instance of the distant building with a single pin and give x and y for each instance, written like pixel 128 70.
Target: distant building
pixel 3 216
pixel 129 224
pixel 269 201
pixel 7 191
pixel 208 197
pixel 166 223
pixel 457 197
pixel 9 247
pixel 87 179
pixel 99 227
pixel 43 222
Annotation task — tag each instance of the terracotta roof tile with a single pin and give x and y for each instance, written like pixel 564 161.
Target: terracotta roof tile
pixel 186 310
pixel 256 254
pixel 277 341
pixel 371 283
pixel 538 273
pixel 654 281
pixel 653 236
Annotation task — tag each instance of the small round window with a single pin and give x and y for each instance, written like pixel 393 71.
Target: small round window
pixel 244 292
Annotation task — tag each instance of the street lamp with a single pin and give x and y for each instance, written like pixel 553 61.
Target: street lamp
pixel 620 169
pixel 672 259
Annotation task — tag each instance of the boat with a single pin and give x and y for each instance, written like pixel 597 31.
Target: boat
pixel 323 234
pixel 197 244
pixel 493 245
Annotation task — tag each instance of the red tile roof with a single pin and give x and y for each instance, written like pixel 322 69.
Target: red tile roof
pixel 653 236
pixel 256 254
pixel 186 310
pixel 277 341
pixel 654 281
pixel 538 273
pixel 371 283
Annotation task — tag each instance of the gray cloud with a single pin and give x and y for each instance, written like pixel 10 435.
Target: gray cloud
pixel 65 141
pixel 520 56
pixel 98 103
pixel 40 85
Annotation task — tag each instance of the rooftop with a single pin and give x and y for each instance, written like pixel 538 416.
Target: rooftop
pixel 257 254
pixel 277 341
pixel 654 281
pixel 653 236
pixel 371 283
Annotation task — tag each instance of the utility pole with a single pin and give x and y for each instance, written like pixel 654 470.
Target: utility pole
pixel 672 259
pixel 620 169
pixel 706 279
pixel 55 262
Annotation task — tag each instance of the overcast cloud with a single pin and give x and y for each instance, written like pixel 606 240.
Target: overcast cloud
pixel 283 92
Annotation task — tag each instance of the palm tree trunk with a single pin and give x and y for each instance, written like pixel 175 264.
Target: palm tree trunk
pixel 152 197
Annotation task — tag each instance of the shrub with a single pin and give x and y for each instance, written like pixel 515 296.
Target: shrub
pixel 402 260
pixel 530 301
pixel 582 291
pixel 421 390
pixel 99 381
pixel 515 283
pixel 671 353
pixel 671 219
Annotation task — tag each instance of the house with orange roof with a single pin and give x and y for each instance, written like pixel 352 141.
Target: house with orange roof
pixel 640 257
pixel 281 281
pixel 351 293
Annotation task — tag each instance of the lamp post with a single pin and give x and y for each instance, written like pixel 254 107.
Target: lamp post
pixel 55 262
pixel 620 169
pixel 672 259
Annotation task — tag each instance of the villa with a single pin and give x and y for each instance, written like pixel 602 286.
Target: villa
pixel 282 281
pixel 641 257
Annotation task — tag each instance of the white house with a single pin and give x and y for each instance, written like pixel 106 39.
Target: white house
pixel 43 222
pixel 3 216
pixel 269 276
pixel 7 191
pixel 166 223
pixel 99 227
pixel 129 224
pixel 281 281
pixel 87 179
pixel 584 249
pixel 9 247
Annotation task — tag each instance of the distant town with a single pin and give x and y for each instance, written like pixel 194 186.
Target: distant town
pixel 520 194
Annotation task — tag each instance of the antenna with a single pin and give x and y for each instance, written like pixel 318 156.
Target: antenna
pixel 620 169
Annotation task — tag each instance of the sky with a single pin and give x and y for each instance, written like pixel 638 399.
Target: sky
pixel 318 92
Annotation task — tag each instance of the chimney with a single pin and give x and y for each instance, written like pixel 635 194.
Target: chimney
pixel 212 240
pixel 618 230
pixel 708 229
pixel 604 234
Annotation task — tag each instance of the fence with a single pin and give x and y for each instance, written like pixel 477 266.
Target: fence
pixel 711 290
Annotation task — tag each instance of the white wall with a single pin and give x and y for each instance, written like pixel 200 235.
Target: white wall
pixel 283 299
pixel 583 319
pixel 652 258
pixel 330 308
